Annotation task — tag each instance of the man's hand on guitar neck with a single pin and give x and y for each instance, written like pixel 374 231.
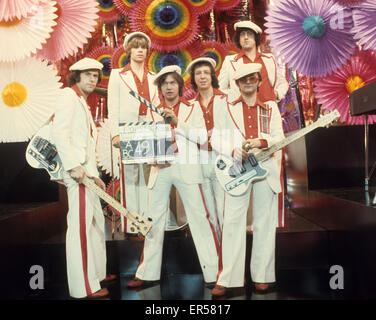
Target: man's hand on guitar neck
pixel 116 141
pixel 79 173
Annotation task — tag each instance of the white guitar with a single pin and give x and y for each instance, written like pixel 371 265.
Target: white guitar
pixel 235 178
pixel 42 154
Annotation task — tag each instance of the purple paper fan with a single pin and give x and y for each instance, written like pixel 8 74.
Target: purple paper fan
pixel 313 37
pixel 364 16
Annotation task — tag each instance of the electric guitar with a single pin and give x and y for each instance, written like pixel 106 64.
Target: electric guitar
pixel 235 177
pixel 42 154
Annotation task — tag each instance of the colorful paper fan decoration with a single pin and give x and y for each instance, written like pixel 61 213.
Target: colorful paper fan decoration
pixel 76 20
pixel 306 34
pixel 221 5
pixel 332 91
pixel 216 51
pixel 107 10
pixel 103 55
pixel 119 58
pixel 171 25
pixel 28 91
pixel 104 151
pixel 124 6
pixel 113 189
pixel 202 6
pixel 157 60
pixel 231 48
pixel 20 38
pixel 348 3
pixel 364 16
pixel 10 9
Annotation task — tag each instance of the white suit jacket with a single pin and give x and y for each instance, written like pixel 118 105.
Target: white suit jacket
pixel 231 64
pixel 189 131
pixel 229 130
pixel 122 106
pixel 74 132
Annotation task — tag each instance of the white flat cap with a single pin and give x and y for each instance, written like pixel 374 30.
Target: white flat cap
pixel 203 59
pixel 248 25
pixel 167 69
pixel 86 64
pixel 247 69
pixel 135 34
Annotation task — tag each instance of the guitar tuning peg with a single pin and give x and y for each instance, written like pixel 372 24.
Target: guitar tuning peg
pixel 150 219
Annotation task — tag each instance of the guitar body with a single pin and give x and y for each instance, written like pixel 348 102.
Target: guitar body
pixel 235 178
pixel 42 154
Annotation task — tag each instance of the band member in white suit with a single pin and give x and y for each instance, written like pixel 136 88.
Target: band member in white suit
pixel 247 39
pixel 123 107
pixel 74 133
pixel 253 125
pixel 273 87
pixel 209 97
pixel 185 174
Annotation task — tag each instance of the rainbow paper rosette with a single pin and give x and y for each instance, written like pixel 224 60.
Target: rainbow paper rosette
pixel 76 20
pixel 171 25
pixel 202 6
pixel 124 6
pixel 333 91
pixel 157 60
pixel 104 152
pixel 22 37
pixel 119 58
pixel 364 15
pixel 221 5
pixel 103 55
pixel 231 48
pixel 107 10
pixel 215 50
pixel 11 9
pixel 28 90
pixel 313 37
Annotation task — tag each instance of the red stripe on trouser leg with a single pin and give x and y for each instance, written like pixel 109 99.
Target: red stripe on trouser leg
pixel 123 196
pixel 208 218
pixel 220 262
pixel 83 238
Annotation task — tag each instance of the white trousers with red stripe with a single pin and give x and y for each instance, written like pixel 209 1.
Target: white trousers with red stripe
pixel 202 230
pixel 233 247
pixel 85 241
pixel 213 191
pixel 134 193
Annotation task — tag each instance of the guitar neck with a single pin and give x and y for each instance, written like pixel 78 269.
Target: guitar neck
pixel 133 217
pixel 263 155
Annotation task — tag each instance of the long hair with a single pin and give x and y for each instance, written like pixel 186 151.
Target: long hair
pixel 178 79
pixel 214 79
pixel 75 77
pixel 136 42
pixel 236 38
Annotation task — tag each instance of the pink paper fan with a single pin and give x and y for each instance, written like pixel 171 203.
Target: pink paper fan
pixel 76 20
pixel 119 58
pixel 21 38
pixel 348 3
pixel 10 9
pixel 108 11
pixel 221 5
pixel 332 91
pixel 124 6
pixel 364 15
pixel 103 55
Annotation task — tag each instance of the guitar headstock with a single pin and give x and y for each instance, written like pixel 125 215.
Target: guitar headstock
pixel 328 118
